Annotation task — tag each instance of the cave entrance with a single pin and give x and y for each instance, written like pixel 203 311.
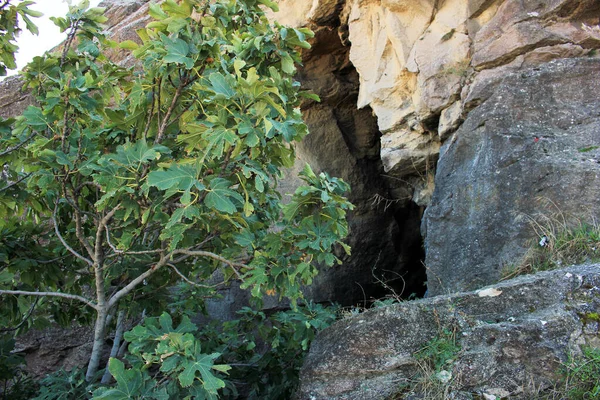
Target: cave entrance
pixel 407 278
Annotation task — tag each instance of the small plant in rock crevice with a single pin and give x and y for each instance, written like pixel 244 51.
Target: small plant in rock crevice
pixel 562 240
pixel 434 379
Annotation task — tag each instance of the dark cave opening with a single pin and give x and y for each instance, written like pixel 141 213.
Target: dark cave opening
pixel 406 279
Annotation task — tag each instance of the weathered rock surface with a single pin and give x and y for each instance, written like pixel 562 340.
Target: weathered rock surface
pixel 525 143
pixel 417 61
pixel 513 338
pixel 12 99
pixel 53 348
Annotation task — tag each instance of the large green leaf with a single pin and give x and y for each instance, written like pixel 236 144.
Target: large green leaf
pixel 220 85
pixel 202 364
pixel 129 382
pixel 220 196
pixel 177 51
pixel 217 138
pixel 35 118
pixel 181 177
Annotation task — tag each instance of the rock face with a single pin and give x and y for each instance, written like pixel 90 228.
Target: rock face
pixel 534 138
pixel 48 350
pixel 513 338
pixel 424 67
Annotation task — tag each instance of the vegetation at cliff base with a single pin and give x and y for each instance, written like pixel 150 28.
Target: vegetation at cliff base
pixel 135 193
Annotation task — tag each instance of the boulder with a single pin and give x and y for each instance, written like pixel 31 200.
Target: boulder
pixel 54 348
pixel 508 340
pixel 532 140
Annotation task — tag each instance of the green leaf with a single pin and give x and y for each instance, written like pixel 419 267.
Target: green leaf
pixel 5 276
pixel 129 45
pixel 220 85
pixel 177 51
pixel 35 118
pixel 271 4
pixel 217 138
pixel 156 12
pixel 203 365
pixel 220 196
pixel 181 177
pixel 287 64
pixel 136 154
pixel 129 382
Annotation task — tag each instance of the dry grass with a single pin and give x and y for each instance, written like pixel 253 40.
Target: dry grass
pixel 434 379
pixel 562 240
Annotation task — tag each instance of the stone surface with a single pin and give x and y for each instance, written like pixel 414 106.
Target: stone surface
pixel 53 348
pixel 12 100
pixel 513 338
pixel 523 144
pixel 417 59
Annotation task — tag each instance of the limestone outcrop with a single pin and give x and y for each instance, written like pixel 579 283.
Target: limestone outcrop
pixel 512 341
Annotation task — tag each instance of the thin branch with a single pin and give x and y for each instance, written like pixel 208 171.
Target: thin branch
pixel 124 252
pixel 25 318
pixel 63 241
pixel 79 233
pixel 184 81
pixel 131 285
pixel 116 344
pixel 174 268
pixel 102 225
pixel 88 183
pixel 151 112
pixel 52 294
pixel 18 146
pixel 165 121
pixel 201 253
pixel 15 183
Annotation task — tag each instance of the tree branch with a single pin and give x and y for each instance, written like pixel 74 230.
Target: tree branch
pixel 25 318
pixel 15 183
pixel 201 253
pixel 118 252
pixel 79 233
pixel 183 82
pixel 52 294
pixel 63 241
pixel 18 146
pixel 102 225
pixel 182 276
pixel 131 285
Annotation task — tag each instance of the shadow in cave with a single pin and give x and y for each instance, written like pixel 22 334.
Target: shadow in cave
pixel 407 279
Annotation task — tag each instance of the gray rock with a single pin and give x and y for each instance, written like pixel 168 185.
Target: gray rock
pixel 519 149
pixel 513 338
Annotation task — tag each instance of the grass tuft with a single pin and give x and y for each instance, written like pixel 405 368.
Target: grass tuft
pixel 561 241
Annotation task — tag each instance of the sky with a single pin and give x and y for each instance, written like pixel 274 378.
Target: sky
pixel 49 36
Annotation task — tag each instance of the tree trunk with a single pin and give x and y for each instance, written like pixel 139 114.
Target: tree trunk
pixel 116 344
pixel 99 333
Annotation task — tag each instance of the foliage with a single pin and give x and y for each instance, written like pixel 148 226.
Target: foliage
pixel 65 385
pixel 439 351
pixel 260 355
pixel 126 182
pixel 266 352
pixel 583 375
pixel 434 379
pixel 179 356
pixel 14 382
pixel 10 14
pixel 561 241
